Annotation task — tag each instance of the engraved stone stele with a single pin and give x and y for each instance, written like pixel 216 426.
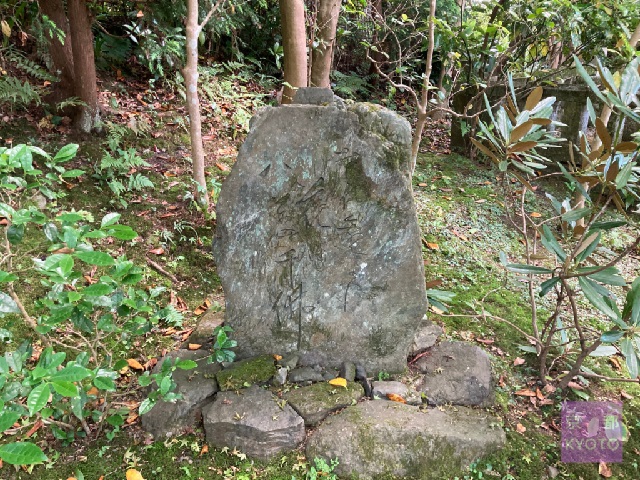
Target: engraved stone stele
pixel 317 242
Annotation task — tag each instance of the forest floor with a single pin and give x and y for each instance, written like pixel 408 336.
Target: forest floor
pixel 464 230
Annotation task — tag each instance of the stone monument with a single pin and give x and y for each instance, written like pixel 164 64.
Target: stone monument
pixel 317 242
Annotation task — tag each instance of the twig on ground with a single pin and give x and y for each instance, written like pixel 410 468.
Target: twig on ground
pixel 158 268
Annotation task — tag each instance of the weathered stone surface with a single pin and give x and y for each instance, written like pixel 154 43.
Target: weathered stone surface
pixel 456 373
pixel 390 439
pixel 315 402
pixel 289 361
pixel 425 337
pixel 252 370
pixel 280 378
pixel 317 243
pixel 313 96
pixel 383 388
pixel 252 421
pixel 196 386
pixel 348 371
pixel 305 374
pixel 203 333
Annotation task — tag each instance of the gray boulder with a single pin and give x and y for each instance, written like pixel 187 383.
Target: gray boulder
pixel 305 374
pixel 317 243
pixel 392 440
pixel 425 337
pixel 456 373
pixel 315 402
pixel 383 388
pixel 254 422
pixel 197 387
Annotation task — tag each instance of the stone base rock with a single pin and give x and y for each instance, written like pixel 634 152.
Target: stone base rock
pixel 375 439
pixel 315 402
pixel 247 372
pixel 203 333
pixel 253 422
pixel 383 388
pixel 456 373
pixel 196 386
pixel 425 338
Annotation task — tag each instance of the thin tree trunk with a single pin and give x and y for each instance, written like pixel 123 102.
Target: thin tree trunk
pixel 84 67
pixel 424 97
pixel 377 56
pixel 193 102
pixel 61 53
pixel 295 47
pixel 322 55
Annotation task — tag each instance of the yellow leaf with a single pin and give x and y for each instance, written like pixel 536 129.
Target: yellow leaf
pixel 338 382
pixel 6 29
pixel 135 364
pixel 194 346
pixel 394 397
pixel 133 474
pixel 536 214
pixel 433 246
pixel 277 357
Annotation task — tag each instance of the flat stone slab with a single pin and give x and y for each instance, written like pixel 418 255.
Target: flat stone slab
pixel 392 440
pixel 252 421
pixel 317 242
pixel 197 387
pixel 246 372
pixel 315 402
pixel 425 337
pixel 456 373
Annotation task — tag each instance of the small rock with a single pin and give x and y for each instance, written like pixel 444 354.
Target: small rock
pixel 305 374
pixel 252 370
pixel 361 376
pixel 289 361
pixel 197 387
pixel 425 338
pixel 456 373
pixel 393 440
pixel 315 402
pixel 253 422
pixel 382 389
pixel 313 96
pixel 348 371
pixel 280 378
pixel 552 471
pixel 203 333
pixel 329 375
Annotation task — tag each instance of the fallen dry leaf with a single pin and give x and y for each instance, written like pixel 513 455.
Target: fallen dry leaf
pixel 525 392
pixel 222 167
pixel 394 397
pixel 135 364
pixel 625 395
pixel 604 470
pixel 205 449
pixel 433 283
pixel 157 251
pixel 536 214
pixel 433 246
pixel 92 391
pixel 521 428
pixel 203 308
pixel 133 474
pixel 338 382
pixel 518 361
pixel 132 417
pixel 575 385
pixel 194 346
pixel 277 357
pixel 485 341
pixel 422 185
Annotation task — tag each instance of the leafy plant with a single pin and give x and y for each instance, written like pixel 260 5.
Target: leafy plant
pixel 165 385
pixel 322 469
pixel 90 306
pixel 222 346
pixel 566 261
pixel 116 169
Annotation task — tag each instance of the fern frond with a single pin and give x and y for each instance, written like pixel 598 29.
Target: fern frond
pixel 29 67
pixel 139 182
pixel 14 92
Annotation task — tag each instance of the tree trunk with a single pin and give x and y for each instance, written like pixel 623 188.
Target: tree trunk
pixel 84 66
pixel 193 102
pixel 322 55
pixel 424 97
pixel 61 53
pixel 295 47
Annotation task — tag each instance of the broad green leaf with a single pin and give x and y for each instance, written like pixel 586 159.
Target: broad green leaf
pixel 104 383
pixel 98 289
pixel 186 364
pixel 7 419
pixel 66 153
pixel 165 385
pixel 51 231
pixel 626 345
pixel 623 176
pixel 550 243
pixel 64 388
pixel 607 225
pixel 38 398
pixel 527 348
pixel 631 310
pixel 547 285
pixel 71 373
pixel 22 453
pixel 608 276
pixel 122 232
pixel 612 336
pixel 109 219
pixel 73 173
pixel 589 288
pixel 588 246
pixel 15 233
pixel 7 277
pixel 529 269
pixel 96 258
pixel 146 405
pixel 604 351
pixel 588 80
pixel 7 304
pixel 576 214
pixel 115 420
